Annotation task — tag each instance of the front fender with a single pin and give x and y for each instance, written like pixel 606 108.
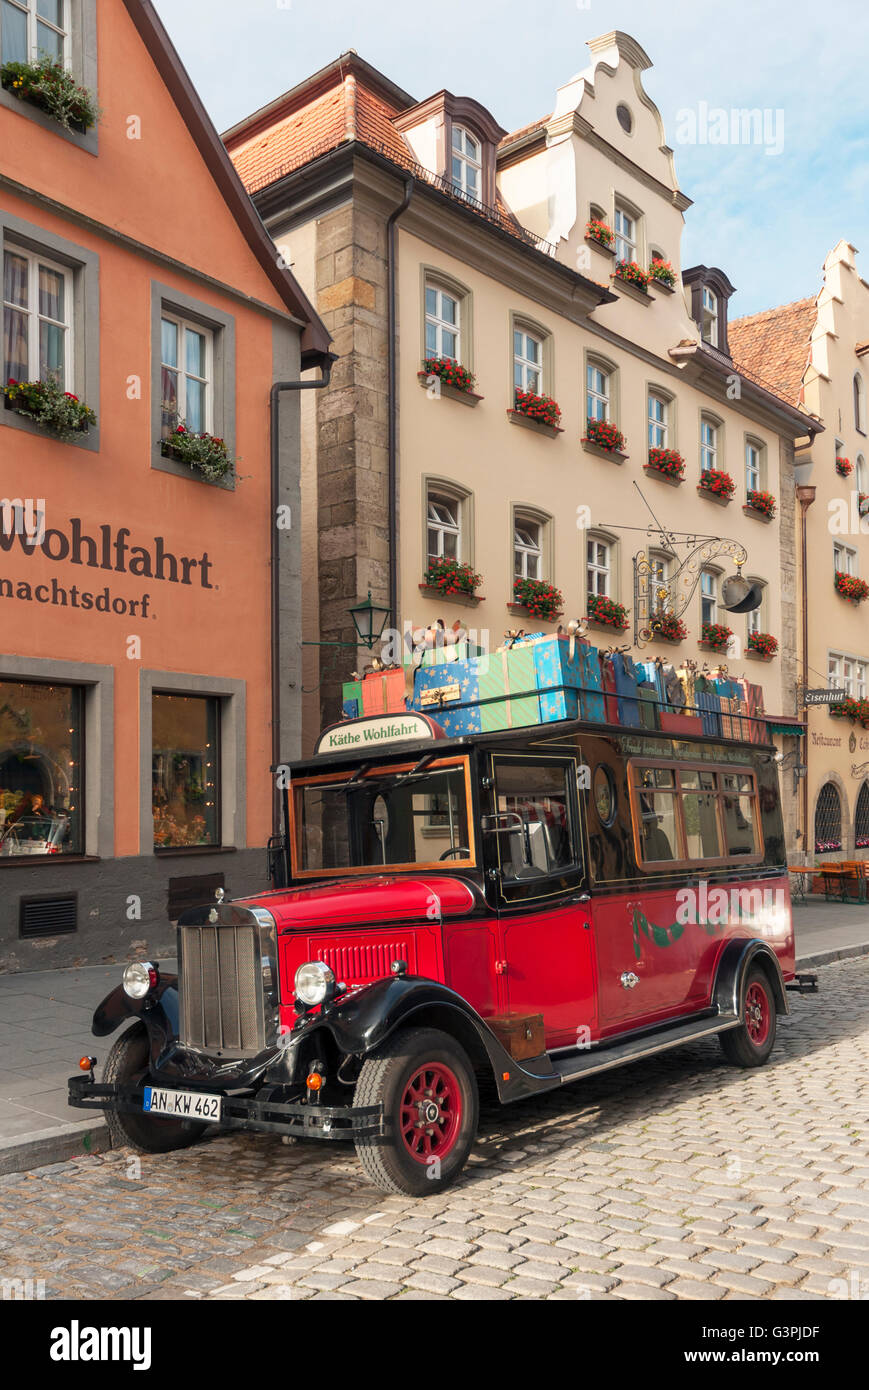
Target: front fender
pixel 362 1021
pixel 158 1011
pixel 734 963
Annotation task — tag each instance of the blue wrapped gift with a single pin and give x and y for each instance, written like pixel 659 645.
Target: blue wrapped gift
pixel 449 695
pixel 555 667
pixel 709 708
pixel 591 701
pixel 626 691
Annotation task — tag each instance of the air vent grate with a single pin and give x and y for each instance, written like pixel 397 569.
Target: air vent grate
pixel 48 916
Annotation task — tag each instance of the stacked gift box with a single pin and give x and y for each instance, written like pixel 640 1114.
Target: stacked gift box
pixel 538 678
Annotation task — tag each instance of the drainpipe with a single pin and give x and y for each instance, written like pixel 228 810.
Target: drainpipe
pixel 392 404
pixel 275 411
pixel 805 497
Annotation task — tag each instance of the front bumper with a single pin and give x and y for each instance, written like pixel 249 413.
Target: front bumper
pixel 297 1119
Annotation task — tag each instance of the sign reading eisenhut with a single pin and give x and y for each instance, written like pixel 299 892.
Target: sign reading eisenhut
pixel 823 697
pixel 376 731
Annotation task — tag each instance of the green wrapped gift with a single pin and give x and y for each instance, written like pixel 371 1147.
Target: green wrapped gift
pixel 501 675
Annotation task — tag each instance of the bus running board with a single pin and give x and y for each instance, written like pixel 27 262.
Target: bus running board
pixel 634 1049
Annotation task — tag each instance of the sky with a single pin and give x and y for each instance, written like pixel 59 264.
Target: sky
pixel 765 212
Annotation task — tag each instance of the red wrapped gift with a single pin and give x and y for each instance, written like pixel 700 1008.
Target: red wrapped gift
pixel 680 725
pixel 383 692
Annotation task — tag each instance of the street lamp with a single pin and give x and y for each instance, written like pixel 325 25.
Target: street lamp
pixel 369 619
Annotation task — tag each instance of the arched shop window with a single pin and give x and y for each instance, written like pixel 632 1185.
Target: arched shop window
pixel 828 820
pixel 861 819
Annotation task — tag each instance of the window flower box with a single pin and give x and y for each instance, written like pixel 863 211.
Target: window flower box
pixel 600 235
pixel 518 610
pixel 604 438
pixel 762 645
pixel 668 462
pixel 605 613
pixel 849 708
pixel 714 637
pixel 452 380
pixel 662 276
pixel 760 504
pixel 540 599
pixel 205 453
pixel 48 86
pixel 844 467
pixel 462 599
pixel 717 485
pixel 541 412
pixel 632 280
pixel 59 412
pixel 668 628
pixel 451 578
pixel 850 587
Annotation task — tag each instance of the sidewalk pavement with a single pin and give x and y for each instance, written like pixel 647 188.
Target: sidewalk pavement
pixel 45 1020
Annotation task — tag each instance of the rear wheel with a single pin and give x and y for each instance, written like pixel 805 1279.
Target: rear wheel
pixel 426 1085
pixel 750 1044
pixel 127 1065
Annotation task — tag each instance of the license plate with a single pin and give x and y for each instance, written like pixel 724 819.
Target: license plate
pixel 191 1105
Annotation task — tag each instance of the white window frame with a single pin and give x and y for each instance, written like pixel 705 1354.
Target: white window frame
pixel 441 497
pixel 442 325
pixel 753 465
pixel 626 228
pixel 755 618
pixel 861 669
pixel 523 365
pixel 34 260
pixel 708 596
pixel 844 559
pixel 182 325
pixel 594 568
pixel 527 554
pixel 659 424
pixel 28 8
pixel 708 447
pixel 709 316
pixel 466 161
pixel 595 395
pixel 860 479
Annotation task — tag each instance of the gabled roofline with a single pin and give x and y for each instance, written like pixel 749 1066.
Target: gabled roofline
pixel 315 338
pixel 314 86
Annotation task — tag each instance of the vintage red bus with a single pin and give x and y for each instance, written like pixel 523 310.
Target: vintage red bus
pixel 511 910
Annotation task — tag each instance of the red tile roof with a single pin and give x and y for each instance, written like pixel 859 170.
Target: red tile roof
pixel 773 347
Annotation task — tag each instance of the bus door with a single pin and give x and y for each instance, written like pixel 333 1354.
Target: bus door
pixel 545 955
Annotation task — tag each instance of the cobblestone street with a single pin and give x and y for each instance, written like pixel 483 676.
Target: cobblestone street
pixel 680 1179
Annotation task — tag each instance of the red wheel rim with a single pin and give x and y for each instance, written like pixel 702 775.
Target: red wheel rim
pixel 430 1112
pixel 757 1014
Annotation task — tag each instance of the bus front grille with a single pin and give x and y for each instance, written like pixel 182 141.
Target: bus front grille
pixel 222 988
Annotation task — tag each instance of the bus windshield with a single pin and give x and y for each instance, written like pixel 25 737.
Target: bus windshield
pixel 393 817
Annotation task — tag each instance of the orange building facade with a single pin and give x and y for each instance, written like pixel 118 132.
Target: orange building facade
pixel 149 589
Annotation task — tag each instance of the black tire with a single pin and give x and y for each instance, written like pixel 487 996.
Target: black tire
pixel 127 1064
pixel 750 1044
pixel 385 1079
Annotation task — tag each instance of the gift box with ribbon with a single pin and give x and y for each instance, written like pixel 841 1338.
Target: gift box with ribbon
pixel 753 696
pixel 351 696
pixel 626 690
pixel 383 692
pixel 450 695
pixel 709 709
pixel 501 676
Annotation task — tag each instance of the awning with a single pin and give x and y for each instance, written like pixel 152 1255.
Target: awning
pixel 780 724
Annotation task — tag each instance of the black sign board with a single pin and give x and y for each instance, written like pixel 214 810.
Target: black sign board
pixel 823 697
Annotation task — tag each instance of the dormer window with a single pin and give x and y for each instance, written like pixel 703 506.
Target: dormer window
pixel 467 163
pixel 709 292
pixel 709 324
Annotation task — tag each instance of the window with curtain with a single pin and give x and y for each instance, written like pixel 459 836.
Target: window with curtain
pixel 444 526
pixel 187 363
pixel 33 29
pixel 599 567
pixel 37 318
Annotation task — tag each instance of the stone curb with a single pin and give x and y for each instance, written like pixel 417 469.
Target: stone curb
pixel 830 957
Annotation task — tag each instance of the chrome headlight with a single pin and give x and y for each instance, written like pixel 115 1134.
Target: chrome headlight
pixel 139 978
pixel 315 982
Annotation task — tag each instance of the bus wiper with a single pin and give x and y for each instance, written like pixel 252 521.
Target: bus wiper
pixel 423 762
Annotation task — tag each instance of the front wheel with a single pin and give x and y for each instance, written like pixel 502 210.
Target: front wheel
pixel 750 1044
pixel 426 1085
pixel 127 1065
